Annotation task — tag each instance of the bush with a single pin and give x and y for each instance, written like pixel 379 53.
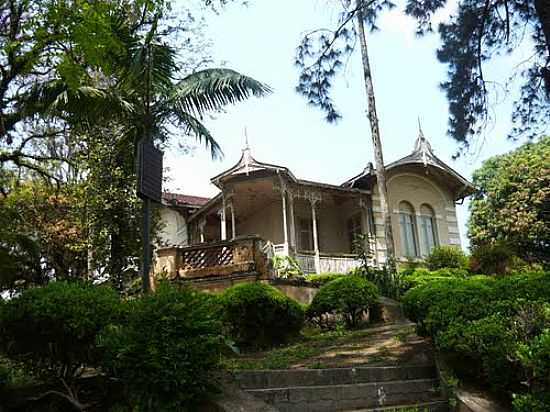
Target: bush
pixel 167 350
pixel 532 403
pixel 493 259
pixel 318 280
pixel 446 257
pixel 259 315
pixel 348 297
pixel 287 267
pixel 493 329
pixel 420 276
pixel 53 329
pixel 483 349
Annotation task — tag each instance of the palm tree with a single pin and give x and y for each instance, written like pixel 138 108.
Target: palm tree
pixel 160 101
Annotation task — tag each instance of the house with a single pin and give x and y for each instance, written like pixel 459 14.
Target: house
pixel 317 222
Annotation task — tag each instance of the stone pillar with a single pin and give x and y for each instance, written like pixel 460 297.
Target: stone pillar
pixel 315 236
pixel 292 223
pixel 222 220
pixel 285 228
pixel 233 227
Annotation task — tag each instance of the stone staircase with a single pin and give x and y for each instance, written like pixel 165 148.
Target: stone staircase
pixel 377 388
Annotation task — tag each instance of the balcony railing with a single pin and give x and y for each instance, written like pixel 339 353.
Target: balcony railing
pixel 242 255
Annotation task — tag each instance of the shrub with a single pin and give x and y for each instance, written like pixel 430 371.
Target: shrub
pixel 348 297
pixel 483 349
pixel 318 280
pixel 259 315
pixel 446 257
pixel 53 329
pixel 287 267
pixel 492 259
pixel 167 350
pixel 420 276
pixel 493 329
pixel 532 403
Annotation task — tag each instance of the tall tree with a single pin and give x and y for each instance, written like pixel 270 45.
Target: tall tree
pixel 320 57
pixel 512 203
pixel 478 31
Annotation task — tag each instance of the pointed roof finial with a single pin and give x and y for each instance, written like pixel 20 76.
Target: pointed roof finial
pixel 420 132
pixel 422 147
pixel 247 157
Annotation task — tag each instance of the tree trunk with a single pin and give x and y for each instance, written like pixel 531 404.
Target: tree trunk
pixel 377 144
pixel 543 10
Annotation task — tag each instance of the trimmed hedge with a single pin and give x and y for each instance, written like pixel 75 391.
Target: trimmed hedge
pixel 318 280
pixel 53 329
pixel 167 350
pixel 348 297
pixel 259 315
pixel 446 257
pixel 495 330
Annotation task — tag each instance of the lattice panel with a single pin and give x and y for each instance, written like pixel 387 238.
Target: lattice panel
pixel 203 258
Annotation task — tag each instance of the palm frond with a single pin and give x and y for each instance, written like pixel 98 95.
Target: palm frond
pixel 212 89
pixel 194 127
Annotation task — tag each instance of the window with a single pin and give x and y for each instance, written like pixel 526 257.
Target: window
pixel 427 229
pixel 305 236
pixel 354 229
pixel 408 230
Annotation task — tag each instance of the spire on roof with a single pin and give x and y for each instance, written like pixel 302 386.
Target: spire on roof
pixel 247 155
pixel 422 146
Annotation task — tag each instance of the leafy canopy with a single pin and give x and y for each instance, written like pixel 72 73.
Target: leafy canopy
pixel 512 202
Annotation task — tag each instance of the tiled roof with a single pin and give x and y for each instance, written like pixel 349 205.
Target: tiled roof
pixel 179 199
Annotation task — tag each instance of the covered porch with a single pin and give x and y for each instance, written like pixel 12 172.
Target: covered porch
pixel 312 222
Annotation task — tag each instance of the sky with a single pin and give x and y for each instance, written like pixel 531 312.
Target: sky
pixel 260 40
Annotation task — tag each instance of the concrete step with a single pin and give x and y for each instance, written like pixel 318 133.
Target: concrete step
pixel 435 406
pixel 265 379
pixel 342 397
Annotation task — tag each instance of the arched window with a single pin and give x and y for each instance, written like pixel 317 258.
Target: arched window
pixel 408 230
pixel 427 229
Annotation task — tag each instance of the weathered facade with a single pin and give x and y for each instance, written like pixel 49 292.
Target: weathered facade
pixel 316 222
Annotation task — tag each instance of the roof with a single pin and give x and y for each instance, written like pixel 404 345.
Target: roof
pixel 246 165
pixel 179 199
pixel 422 155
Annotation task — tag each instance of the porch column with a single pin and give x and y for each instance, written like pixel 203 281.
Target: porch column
pixel 233 230
pixel 315 236
pixel 222 220
pixel 292 223
pixel 285 229
pixel 202 224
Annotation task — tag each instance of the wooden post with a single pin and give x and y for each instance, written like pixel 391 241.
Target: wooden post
pixel 315 237
pixel 233 227
pixel 292 223
pixel 222 220
pixel 285 229
pixel 202 224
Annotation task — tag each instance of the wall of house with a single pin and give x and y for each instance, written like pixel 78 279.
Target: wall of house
pixel 173 228
pixel 266 222
pixel 416 189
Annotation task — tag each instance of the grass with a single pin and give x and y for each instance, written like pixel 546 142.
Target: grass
pixel 338 348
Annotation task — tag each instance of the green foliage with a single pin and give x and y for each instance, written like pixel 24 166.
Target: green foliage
pixel 53 329
pixel 167 349
pixel 539 402
pixel 491 259
pixel 493 329
pixel 318 280
pixel 287 267
pixel 484 347
pixel 259 315
pixel 420 276
pixel 446 257
pixel 41 233
pixel 348 297
pixel 511 204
